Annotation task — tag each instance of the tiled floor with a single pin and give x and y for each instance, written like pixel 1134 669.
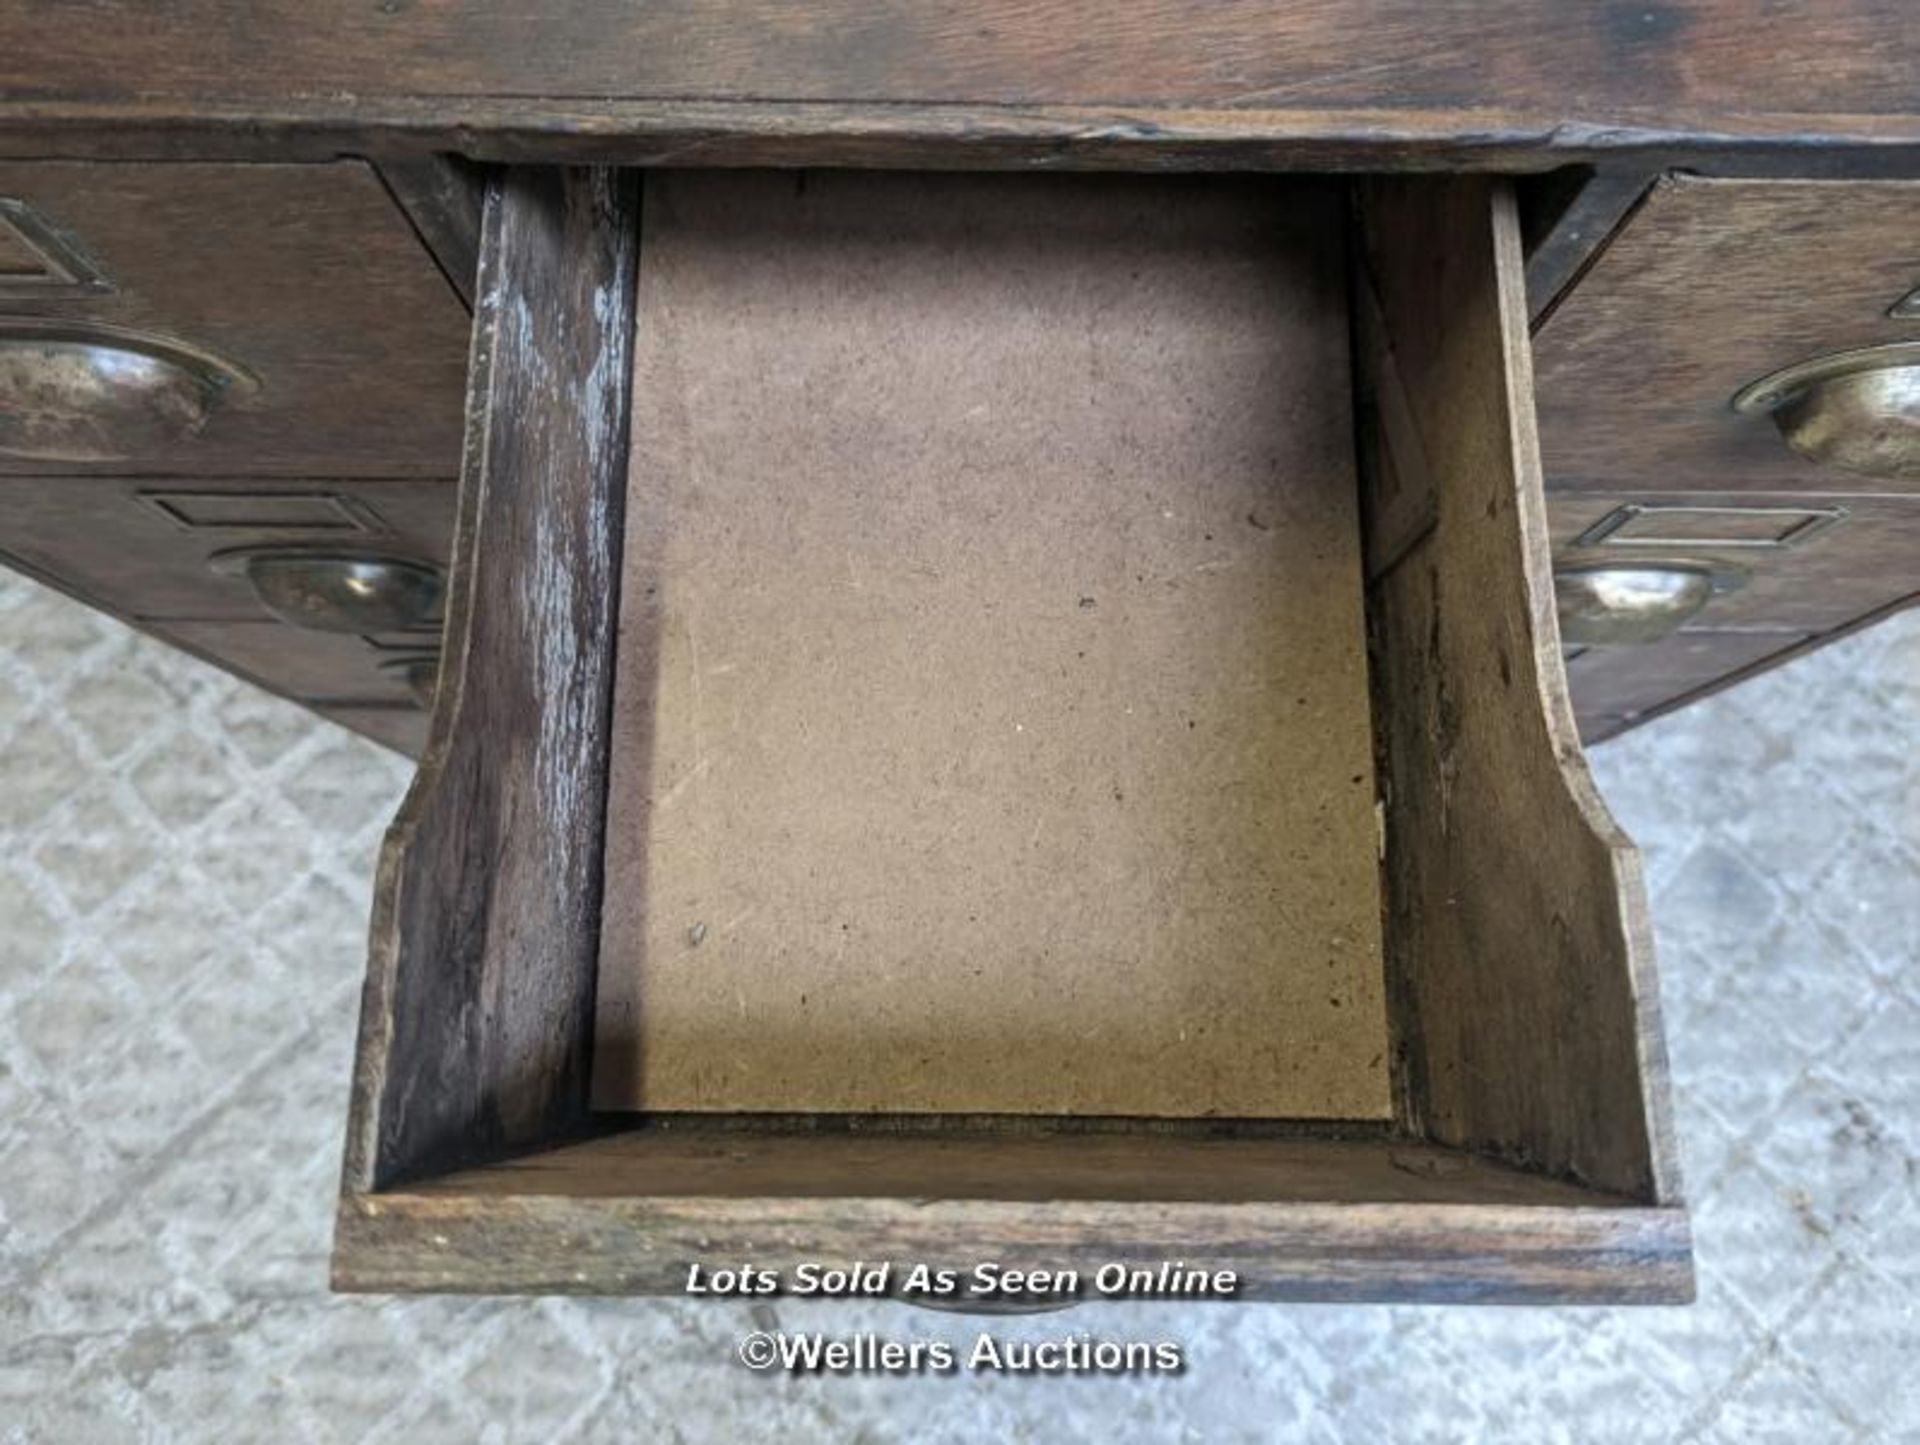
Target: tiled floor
pixel 184 868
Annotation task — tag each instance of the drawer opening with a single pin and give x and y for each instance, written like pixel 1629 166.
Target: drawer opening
pixel 1026 706
pixel 991 728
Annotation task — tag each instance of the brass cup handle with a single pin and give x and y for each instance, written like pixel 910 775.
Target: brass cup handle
pixel 83 391
pixel 1855 410
pixel 1615 604
pixel 332 589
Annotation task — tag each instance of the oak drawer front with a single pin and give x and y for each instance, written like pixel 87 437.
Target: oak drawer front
pixel 230 320
pixel 1018 508
pixel 1709 286
pixel 1786 569
pixel 399 726
pixel 148 548
pixel 1615 687
pixel 1787 563
pixel 312 667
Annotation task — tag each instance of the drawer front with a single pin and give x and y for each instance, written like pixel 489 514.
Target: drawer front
pixel 1614 687
pixel 1787 569
pixel 1711 285
pixel 1795 565
pixel 400 727
pixel 319 667
pixel 143 548
pixel 205 320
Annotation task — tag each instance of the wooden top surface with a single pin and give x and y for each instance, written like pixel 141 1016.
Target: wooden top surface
pixel 1295 82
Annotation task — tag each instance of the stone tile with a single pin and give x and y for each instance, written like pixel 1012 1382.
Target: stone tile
pixel 1725 1074
pixel 258 848
pixel 1803 986
pixel 537 1374
pixel 43 769
pixel 157 1085
pixel 351 1367
pixel 262 728
pixel 319 928
pixel 1880 1065
pixel 1777 1406
pixel 93 1408
pixel 169 930
pixel 189 1378
pixel 1706 1141
pixel 185 781
pixel 1718 901
pixel 49 1179
pixel 116 707
pixel 111 1279
pixel 1825 1144
pixel 248 1006
pixel 71 1017
pixel 1699 1350
pixel 93 848
pixel 1766 1240
pixel 17 700
pixel 50 638
pixel 1869 895
pixel 1859 1344
pixel 335 785
pixel 29 941
pixel 1598 1386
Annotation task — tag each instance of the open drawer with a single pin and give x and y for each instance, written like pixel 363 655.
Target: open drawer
pixel 1011 764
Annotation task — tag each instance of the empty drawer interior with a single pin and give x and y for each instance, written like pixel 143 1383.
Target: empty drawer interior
pixel 976 691
pixel 991 729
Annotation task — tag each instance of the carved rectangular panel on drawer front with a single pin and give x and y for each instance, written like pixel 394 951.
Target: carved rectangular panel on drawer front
pixel 1841 572
pixel 140 547
pixel 307 277
pixel 1710 285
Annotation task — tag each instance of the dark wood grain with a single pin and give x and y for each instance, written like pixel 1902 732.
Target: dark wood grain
pixel 401 727
pixel 1567 219
pixel 1597 725
pixel 1518 943
pixel 1713 284
pixel 1792 600
pixel 118 543
pixel 310 667
pixel 442 196
pixel 1615 685
pixel 307 276
pixel 1848 570
pixel 722 81
pixel 478 1010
